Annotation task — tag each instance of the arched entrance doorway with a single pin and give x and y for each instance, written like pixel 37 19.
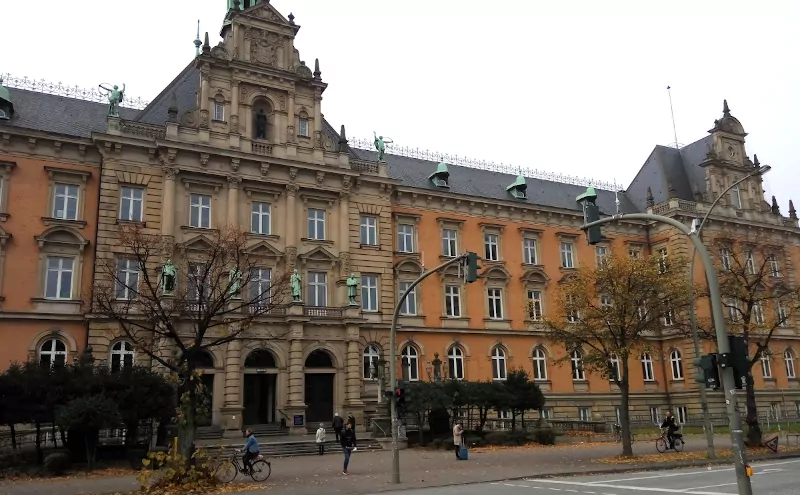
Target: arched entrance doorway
pixel 320 374
pixel 204 362
pixel 260 378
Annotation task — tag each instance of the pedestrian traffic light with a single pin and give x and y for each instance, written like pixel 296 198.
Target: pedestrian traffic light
pixel 739 360
pixel 401 397
pixel 591 213
pixel 708 372
pixel 472 266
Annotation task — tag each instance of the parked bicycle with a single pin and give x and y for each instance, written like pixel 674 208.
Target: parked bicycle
pixel 228 469
pixel 662 442
pixel 618 433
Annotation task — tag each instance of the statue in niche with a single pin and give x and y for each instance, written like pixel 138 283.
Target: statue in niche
pixel 352 289
pixel 235 282
pixel 261 124
pixel 168 275
pixel 295 282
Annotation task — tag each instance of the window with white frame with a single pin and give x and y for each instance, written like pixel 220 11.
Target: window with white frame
pixel 546 413
pixel 529 254
pixel 455 363
pixel 539 364
pixel 655 417
pixel 498 364
pixel 601 254
pixel 219 111
pixel 495 299
pixel 260 286
pixel 662 260
pixel 316 224
pixel 200 211
pixel 676 364
pixel 65 201
pixel 775 411
pixel 369 293
pixel 614 368
pixel 668 319
pixel 567 255
pixel 733 309
pixel 573 315
pixel 127 278
pixel 411 358
pixel 409 306
pixel 369 230
pixel 606 302
pixel 618 415
pixel 317 289
pixel 725 258
pixel 302 129
pixel 131 202
pixel 405 238
pixel 122 355
pixel 647 367
pixel 766 366
pixel 576 362
pixel 261 218
pixel 199 283
pixel 682 414
pixel 491 245
pixel 371 357
pixel 772 263
pixel 635 252
pixel 53 352
pixel 58 279
pixel 758 313
pixel 584 414
pixel 788 358
pixel 782 315
pixel 736 198
pixel 749 263
pixel 535 312
pixel 452 301
pixel 449 243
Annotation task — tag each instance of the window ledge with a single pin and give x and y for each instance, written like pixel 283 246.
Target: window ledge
pixel 405 253
pixel 255 235
pixel 444 258
pixel 56 301
pixel 494 262
pixel 48 221
pixel 453 318
pixel 770 379
pixel 219 121
pixel 138 223
pixel 4 217
pixel 309 240
pixel 566 269
pixel 189 228
pixel 375 247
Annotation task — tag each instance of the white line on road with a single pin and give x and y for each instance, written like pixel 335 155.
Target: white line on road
pixel 633 488
pixel 709 486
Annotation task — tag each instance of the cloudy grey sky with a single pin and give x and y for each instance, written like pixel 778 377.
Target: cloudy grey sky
pixel 569 86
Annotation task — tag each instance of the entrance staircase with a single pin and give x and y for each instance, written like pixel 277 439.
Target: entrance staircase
pixel 295 448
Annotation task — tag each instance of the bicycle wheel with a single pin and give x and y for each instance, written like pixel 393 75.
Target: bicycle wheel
pixel 226 471
pixel 260 470
pixel 661 445
pixel 678 444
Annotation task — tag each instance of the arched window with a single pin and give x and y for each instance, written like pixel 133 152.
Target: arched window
pixel 788 357
pixel 455 363
pixel 647 367
pixel 539 364
pixel 260 359
pixel 576 360
pixel 766 367
pixel 616 374
pixel 121 355
pixel 498 364
pixel 371 356
pixel 410 356
pixel 676 362
pixel 53 352
pixel 204 360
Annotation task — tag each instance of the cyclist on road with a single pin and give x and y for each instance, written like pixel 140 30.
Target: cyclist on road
pixel 250 450
pixel 672 427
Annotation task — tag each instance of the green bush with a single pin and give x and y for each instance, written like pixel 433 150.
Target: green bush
pixel 56 463
pixel 545 436
pixel 516 438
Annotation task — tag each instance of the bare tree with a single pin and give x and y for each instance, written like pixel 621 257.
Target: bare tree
pixel 618 311
pixel 758 301
pixel 174 311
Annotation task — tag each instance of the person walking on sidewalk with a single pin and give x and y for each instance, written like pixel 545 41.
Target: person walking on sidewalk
pixel 458 438
pixel 321 438
pixel 348 445
pixel 338 424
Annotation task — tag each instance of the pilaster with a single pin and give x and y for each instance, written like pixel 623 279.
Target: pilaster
pixel 353 368
pixel 168 202
pixel 233 200
pixel 232 410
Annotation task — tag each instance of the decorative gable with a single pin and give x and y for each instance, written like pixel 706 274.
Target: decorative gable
pixel 263 249
pixel 199 243
pixel 318 255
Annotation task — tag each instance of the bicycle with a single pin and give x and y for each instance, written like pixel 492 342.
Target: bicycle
pixel 662 442
pixel 618 433
pixel 227 470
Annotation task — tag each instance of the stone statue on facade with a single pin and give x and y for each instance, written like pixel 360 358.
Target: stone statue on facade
pixel 261 124
pixel 169 275
pixel 380 145
pixel 295 281
pixel 115 97
pixel 235 281
pixel 352 289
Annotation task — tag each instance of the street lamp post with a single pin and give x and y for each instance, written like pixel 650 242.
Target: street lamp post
pixel 693 318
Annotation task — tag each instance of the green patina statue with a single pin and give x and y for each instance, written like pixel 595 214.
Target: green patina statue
pixel 235 281
pixel 169 274
pixel 352 289
pixel 295 280
pixel 380 145
pixel 114 99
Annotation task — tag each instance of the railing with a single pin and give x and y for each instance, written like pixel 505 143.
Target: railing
pixel 364 167
pixel 264 310
pixel 142 130
pixel 322 311
pixel 51 437
pixel 262 148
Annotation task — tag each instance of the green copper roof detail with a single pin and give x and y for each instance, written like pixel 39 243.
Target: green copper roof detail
pixel 518 184
pixel 440 176
pixel 589 195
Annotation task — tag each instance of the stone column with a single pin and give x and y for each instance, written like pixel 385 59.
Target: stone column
pixel 296 391
pixel 233 200
pixel 344 248
pixel 318 121
pixel 205 86
pixel 290 129
pixel 168 202
pixel 235 108
pixel 291 225
pixel 353 370
pixel 232 411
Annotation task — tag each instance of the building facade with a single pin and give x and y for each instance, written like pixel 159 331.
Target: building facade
pixel 239 139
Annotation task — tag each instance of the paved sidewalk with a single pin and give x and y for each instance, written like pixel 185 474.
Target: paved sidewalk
pixel 369 472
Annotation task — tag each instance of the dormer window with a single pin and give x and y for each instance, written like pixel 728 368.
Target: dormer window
pixel 518 188
pixel 3 115
pixel 6 107
pixel 441 177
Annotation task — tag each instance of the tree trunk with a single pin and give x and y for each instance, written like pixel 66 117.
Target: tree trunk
pixel 753 428
pixel 131 433
pixel 39 456
pixel 89 457
pixel 13 433
pixel 63 435
pixel 513 420
pixel 624 412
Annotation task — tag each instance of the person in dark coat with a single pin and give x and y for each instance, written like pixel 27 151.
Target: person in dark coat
pixel 348 445
pixel 351 420
pixel 338 424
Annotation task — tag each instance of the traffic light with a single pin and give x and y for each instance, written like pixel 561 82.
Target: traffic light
pixel 401 397
pixel 591 213
pixel 739 360
pixel 708 373
pixel 472 266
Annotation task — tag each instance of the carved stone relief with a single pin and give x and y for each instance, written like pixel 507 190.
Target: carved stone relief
pixel 263 46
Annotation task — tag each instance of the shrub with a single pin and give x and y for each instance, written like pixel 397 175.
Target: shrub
pixel 56 463
pixel 176 475
pixel 494 438
pixel 545 436
pixel 516 438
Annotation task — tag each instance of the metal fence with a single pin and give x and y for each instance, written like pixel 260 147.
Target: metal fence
pixel 24 437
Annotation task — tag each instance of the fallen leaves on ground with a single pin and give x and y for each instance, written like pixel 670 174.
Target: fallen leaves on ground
pixel 497 448
pixel 697 455
pixel 114 472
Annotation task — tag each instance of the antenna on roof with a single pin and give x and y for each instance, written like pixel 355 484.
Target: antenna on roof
pixel 672 112
pixel 197 42
pixel 616 200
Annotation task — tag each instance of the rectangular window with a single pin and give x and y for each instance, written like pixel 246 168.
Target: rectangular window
pixel 130 203
pixel 725 258
pixel 535 305
pixel 58 283
pixel 748 261
pixel 495 304
pixel 491 244
pixel 782 316
pixel 567 257
pixel 199 283
pixel 317 289
pixel 405 238
pixel 584 414
pixel 409 307
pixel 449 243
pixel 775 411
pixel 219 112
pixel 736 198
pixel 65 202
pixel 302 129
pixel 369 293
pixel 200 211
pixel 601 253
pixel 668 319
pixel 260 218
pixel 662 260
pixel 683 417
pixel 452 301
pixel 260 286
pixel 758 313
pixel 654 416
pixel 369 230
pixel 127 278
pixel 572 314
pixel 606 302
pixel 529 256
pixel 733 310
pixel 772 262
pixel 316 224
pixel 546 413
pixel 634 252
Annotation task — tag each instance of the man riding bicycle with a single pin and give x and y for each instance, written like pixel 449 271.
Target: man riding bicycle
pixel 250 450
pixel 672 427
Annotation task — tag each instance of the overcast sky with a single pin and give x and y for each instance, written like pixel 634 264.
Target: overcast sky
pixel 568 86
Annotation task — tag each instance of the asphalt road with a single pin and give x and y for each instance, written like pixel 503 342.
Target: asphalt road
pixel 769 478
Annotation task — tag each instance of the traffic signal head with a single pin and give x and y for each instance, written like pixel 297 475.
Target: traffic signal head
pixel 400 396
pixel 472 267
pixel 739 360
pixel 708 372
pixel 591 213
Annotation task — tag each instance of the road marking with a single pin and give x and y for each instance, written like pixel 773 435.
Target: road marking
pixel 633 488
pixel 709 486
pixel 573 491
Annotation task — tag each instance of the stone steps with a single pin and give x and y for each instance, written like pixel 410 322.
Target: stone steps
pixel 302 448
